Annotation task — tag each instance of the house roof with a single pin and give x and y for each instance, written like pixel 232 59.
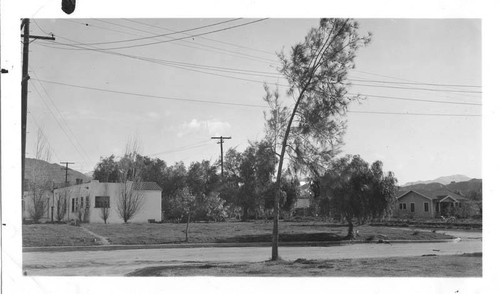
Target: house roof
pixel 146 186
pixel 438 194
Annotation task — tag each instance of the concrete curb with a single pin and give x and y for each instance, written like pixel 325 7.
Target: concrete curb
pixel 214 245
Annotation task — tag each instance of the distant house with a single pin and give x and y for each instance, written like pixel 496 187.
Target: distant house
pixel 429 204
pixel 303 202
pixel 87 201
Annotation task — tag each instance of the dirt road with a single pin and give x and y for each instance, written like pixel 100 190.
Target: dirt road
pixel 121 262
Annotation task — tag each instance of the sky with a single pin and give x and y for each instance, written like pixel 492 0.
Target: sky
pixel 89 103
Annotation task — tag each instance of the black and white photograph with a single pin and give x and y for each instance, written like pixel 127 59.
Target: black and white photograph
pixel 229 146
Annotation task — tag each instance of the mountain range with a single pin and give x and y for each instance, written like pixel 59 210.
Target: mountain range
pixel 442 180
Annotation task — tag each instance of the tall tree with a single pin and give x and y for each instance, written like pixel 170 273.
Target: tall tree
pixel 257 166
pixel 316 70
pixel 357 191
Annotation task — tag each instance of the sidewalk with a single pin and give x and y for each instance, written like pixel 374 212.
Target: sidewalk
pixel 217 245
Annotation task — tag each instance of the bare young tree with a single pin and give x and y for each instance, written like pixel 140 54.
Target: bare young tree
pixel 40 182
pixel 61 205
pixel 130 199
pixel 104 214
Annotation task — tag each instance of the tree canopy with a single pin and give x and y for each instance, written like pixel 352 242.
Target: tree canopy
pixel 354 189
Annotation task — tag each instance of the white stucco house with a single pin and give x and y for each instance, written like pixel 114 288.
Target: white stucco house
pixel 88 201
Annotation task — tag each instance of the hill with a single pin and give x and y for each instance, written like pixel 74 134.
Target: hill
pixel 442 180
pixel 54 172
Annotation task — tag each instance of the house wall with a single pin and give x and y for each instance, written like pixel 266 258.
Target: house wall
pixel 151 208
pixel 302 203
pixel 419 201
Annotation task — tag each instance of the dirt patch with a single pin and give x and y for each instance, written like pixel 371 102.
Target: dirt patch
pixel 466 265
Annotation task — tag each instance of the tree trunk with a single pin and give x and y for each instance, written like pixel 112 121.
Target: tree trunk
pixel 350 231
pixel 187 227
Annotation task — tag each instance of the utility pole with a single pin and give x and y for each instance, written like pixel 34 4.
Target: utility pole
pixel 221 142
pixel 66 168
pixel 24 87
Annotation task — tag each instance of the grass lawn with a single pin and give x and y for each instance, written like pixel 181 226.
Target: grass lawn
pixel 467 265
pixel 238 232
pixel 55 235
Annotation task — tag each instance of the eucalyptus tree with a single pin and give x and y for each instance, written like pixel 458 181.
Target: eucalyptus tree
pixel 356 190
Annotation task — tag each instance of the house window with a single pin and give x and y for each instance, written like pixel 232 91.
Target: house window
pixel 81 202
pixel 426 206
pixel 72 204
pixel 402 206
pixel 101 201
pixel 459 204
pixel 87 201
pixel 412 207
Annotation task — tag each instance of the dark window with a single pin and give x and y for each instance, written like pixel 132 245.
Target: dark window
pixel 400 206
pixel 459 204
pixel 412 207
pixel 87 201
pixel 426 206
pixel 72 204
pixel 101 201
pixel 404 206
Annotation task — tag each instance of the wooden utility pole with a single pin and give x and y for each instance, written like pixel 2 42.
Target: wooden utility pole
pixel 24 87
pixel 66 178
pixel 221 142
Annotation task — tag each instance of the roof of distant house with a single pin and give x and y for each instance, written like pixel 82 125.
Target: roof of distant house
pixel 435 194
pixel 146 186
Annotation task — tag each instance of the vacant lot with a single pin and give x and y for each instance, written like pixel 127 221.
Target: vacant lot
pixel 467 265
pixel 224 232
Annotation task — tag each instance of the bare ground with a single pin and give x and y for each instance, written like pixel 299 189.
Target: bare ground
pixel 466 265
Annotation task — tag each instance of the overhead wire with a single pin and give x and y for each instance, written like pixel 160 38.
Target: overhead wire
pixel 181 43
pixel 205 38
pixel 187 37
pixel 66 124
pixel 80 150
pixel 161 35
pixel 53 151
pixel 216 102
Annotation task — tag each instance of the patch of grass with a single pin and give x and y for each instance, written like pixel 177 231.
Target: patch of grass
pixel 467 265
pixel 223 232
pixel 55 235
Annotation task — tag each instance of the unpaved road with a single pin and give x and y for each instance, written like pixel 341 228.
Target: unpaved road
pixel 121 262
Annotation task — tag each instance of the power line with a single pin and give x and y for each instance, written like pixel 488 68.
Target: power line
pixel 219 102
pixel 86 156
pixel 152 96
pixel 416 83
pixel 190 67
pixel 205 38
pixel 187 37
pixel 414 88
pixel 161 35
pixel 205 47
pixel 419 100
pixel 44 135
pixel 58 122
pixel 415 113
pixel 183 148
pixel 394 78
